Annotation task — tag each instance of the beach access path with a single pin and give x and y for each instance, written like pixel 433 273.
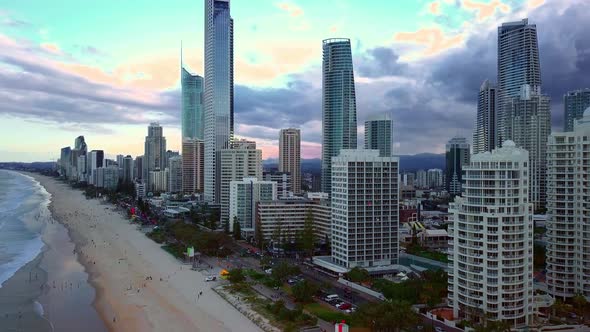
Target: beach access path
pixel 139 286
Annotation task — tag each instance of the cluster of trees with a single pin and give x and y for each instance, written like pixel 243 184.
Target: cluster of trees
pixel 387 316
pixel 206 216
pixel 358 274
pixel 182 235
pixel 430 289
pixel 291 319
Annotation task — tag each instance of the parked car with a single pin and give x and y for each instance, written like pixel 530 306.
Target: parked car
pixel 268 271
pixel 438 329
pixel 211 278
pixel 344 306
pixel 331 297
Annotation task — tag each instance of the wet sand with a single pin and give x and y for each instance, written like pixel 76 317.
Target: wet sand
pixel 120 261
pixel 18 311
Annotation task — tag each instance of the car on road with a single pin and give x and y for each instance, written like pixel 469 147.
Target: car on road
pixel 438 329
pixel 344 306
pixel 268 271
pixel 211 278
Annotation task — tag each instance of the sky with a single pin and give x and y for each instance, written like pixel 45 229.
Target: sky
pixel 106 69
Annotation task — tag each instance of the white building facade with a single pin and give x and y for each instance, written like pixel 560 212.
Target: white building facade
pixel 244 195
pixel 365 209
pixel 568 222
pixel 491 265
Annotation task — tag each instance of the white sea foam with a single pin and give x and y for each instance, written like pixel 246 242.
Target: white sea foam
pixel 21 199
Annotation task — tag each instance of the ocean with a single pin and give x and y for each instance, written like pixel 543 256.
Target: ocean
pixel 23 214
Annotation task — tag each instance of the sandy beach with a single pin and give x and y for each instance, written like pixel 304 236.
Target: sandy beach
pixel 119 259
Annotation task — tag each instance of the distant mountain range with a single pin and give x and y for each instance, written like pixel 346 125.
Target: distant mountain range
pixel 408 163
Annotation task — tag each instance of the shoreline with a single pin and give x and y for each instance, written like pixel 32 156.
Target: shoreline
pixel 137 285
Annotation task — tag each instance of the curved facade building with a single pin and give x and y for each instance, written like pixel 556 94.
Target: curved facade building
pixel 338 104
pixel 219 90
pixel 491 264
pixel 193 118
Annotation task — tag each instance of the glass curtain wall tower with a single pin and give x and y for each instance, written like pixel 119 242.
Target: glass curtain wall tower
pixel 193 118
pixel 338 104
pixel 219 91
pixel 518 64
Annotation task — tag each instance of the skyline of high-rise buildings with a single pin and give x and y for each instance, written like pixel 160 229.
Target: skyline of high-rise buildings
pixel 574 104
pixel 219 91
pixel 339 130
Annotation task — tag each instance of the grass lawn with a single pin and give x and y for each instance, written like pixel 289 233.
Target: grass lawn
pixel 326 313
pixel 434 255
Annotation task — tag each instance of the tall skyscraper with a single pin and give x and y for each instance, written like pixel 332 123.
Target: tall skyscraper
pixel 457 156
pixel 338 104
pixel 529 127
pixel 491 265
pixel 242 160
pixel 154 157
pixel 484 134
pixel 219 91
pixel 568 234
pixel 120 160
pixel 434 178
pixel 364 219
pixel 64 161
pixel 138 172
pixel 378 136
pixel 193 117
pixel 80 144
pixel 574 104
pixel 128 169
pixel 175 175
pixel 94 160
pixel 518 64
pixel 192 166
pixel 290 156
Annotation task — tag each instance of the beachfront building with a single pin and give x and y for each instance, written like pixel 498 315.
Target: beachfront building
pixel 82 168
pixel 568 230
pixel 175 175
pixel 218 96
pixel 457 155
pixel 106 177
pixel 365 212
pixel 244 195
pixel 155 157
pixel 339 129
pixel 529 127
pixel 192 165
pixel 574 105
pixel 378 135
pixel 284 218
pixel 94 160
pixel 491 264
pixel 290 157
pixel 283 180
pixel 243 160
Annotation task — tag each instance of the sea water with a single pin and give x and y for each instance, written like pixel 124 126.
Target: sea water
pixel 23 212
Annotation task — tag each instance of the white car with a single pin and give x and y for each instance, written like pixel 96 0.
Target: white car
pixel 269 271
pixel 211 278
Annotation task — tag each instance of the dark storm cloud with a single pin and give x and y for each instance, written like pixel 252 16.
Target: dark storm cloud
pixel 379 62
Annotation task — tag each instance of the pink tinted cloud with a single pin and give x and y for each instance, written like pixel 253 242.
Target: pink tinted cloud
pixel 485 10
pixel 290 8
pixel 434 8
pixel 51 48
pixel 434 40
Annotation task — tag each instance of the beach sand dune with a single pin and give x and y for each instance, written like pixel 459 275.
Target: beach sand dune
pixel 119 258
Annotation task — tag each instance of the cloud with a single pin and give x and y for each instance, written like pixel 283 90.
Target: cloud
pixel 535 3
pixel 485 10
pixel 292 9
pixel 51 48
pixel 379 62
pixel 434 8
pixel 432 40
